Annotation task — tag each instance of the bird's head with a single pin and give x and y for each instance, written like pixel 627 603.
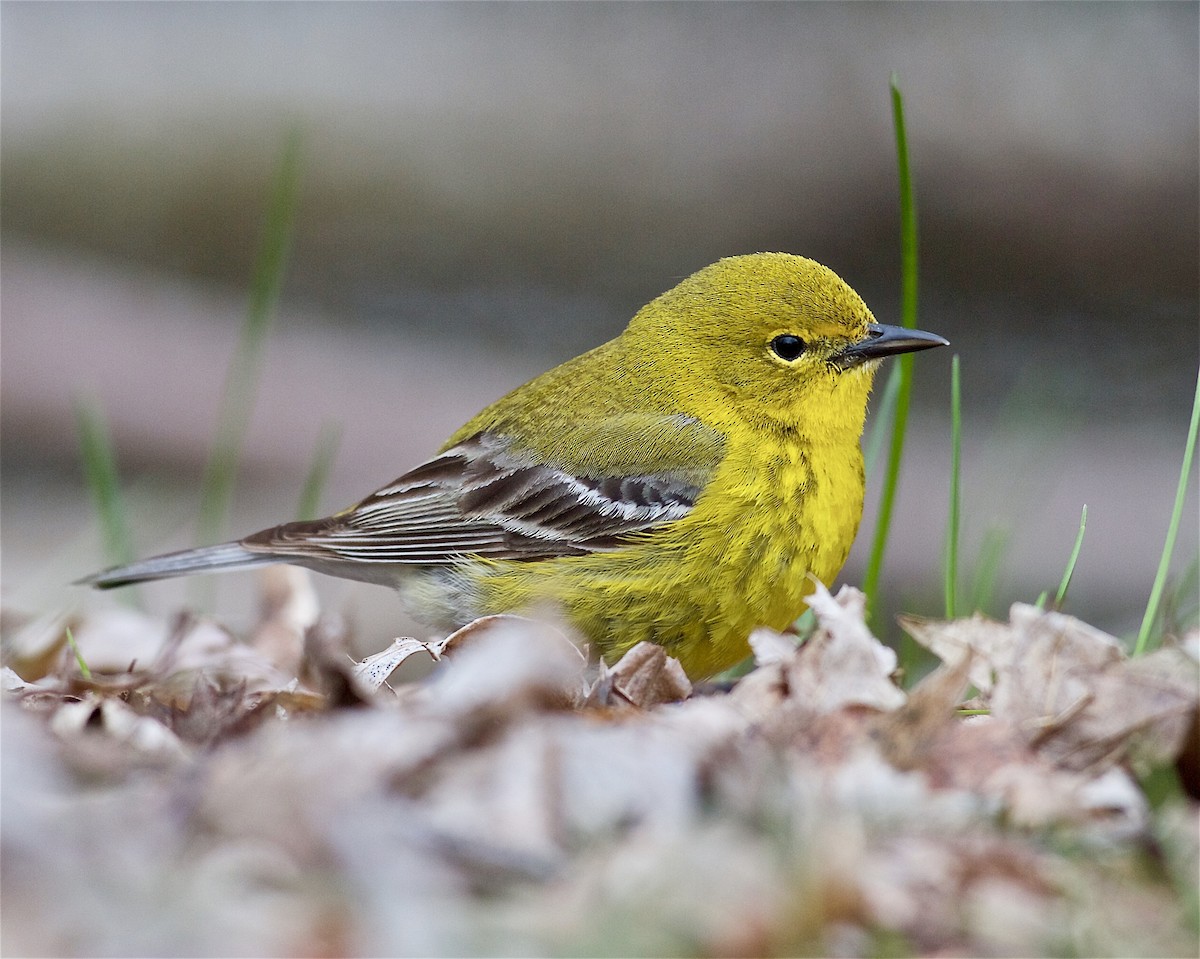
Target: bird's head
pixel 769 336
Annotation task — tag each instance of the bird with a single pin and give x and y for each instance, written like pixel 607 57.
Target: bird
pixel 682 484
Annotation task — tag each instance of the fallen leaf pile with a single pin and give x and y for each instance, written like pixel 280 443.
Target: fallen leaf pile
pixel 198 794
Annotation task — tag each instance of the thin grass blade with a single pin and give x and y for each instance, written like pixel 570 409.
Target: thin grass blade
pixel 84 671
pixel 908 318
pixel 1061 596
pixel 1164 563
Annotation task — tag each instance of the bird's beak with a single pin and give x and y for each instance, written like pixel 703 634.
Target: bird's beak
pixel 883 341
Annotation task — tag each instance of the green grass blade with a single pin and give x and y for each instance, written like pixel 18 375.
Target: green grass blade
pixel 1164 563
pixel 318 471
pixel 84 671
pixel 951 571
pixel 103 482
pixel 1061 596
pixel 242 375
pixel 908 318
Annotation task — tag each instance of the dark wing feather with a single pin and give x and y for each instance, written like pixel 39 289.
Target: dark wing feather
pixel 482 498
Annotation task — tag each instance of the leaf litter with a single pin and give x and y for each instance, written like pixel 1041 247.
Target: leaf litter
pixel 205 794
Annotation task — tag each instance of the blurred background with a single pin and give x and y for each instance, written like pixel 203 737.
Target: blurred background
pixel 488 189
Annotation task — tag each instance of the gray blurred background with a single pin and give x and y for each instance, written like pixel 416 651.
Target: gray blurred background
pixel 489 189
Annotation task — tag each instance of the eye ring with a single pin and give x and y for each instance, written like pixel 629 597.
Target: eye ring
pixel 787 347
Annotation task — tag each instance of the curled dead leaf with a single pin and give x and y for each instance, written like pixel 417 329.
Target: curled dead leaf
pixel 373 671
pixel 842 663
pixel 646 676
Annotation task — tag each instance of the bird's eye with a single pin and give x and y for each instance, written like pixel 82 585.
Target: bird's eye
pixel 787 347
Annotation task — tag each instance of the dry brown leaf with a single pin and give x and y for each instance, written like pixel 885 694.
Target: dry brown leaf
pixel 842 664
pixel 1069 689
pixel 1076 698
pixel 1054 656
pixel 912 736
pixel 646 676
pixel 373 671
pixel 989 643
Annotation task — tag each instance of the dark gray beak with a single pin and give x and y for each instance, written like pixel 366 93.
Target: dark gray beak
pixel 884 341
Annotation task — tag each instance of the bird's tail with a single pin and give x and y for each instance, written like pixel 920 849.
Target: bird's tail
pixel 206 559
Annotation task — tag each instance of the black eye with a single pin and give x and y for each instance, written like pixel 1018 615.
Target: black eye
pixel 787 347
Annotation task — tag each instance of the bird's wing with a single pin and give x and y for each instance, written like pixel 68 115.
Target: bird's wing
pixel 486 497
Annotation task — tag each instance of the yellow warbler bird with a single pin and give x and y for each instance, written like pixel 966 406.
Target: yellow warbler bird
pixel 678 484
